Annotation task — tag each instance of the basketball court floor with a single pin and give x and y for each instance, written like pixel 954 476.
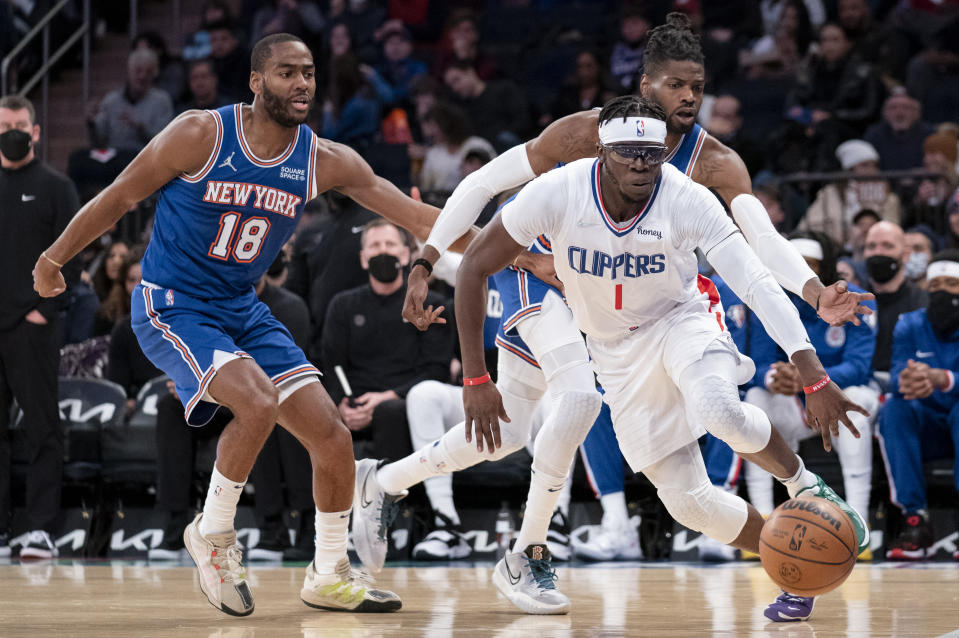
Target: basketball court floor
pixel 107 599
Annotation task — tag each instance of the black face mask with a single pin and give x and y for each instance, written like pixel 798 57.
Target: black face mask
pixel 943 313
pixel 15 144
pixel 882 268
pixel 384 268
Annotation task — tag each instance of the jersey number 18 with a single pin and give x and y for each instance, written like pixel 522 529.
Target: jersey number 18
pixel 245 244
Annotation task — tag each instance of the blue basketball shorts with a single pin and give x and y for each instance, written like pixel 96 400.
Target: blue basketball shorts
pixel 190 339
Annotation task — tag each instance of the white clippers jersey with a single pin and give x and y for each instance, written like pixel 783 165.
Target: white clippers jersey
pixel 618 277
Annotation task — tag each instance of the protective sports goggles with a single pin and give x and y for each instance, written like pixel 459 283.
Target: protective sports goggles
pixel 649 154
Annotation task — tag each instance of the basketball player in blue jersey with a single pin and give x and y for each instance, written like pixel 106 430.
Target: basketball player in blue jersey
pixel 674 77
pixel 232 184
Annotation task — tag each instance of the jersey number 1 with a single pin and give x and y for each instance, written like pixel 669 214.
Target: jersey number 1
pixel 245 244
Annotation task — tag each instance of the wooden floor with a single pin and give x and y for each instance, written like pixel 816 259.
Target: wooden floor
pixel 75 598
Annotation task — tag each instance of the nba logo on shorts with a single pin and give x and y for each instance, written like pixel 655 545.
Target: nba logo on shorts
pixel 217 491
pixel 640 128
pixel 169 297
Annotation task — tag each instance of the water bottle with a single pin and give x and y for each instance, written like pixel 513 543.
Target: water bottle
pixel 504 530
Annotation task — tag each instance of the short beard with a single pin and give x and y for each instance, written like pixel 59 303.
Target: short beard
pixel 276 109
pixel 678 128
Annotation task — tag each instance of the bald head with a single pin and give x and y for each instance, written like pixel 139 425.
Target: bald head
pixel 885 238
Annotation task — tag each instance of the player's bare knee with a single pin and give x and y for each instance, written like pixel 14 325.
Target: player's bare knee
pixel 260 406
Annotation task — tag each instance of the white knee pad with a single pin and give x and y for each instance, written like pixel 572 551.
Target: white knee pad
pixel 707 509
pixel 716 406
pixel 565 429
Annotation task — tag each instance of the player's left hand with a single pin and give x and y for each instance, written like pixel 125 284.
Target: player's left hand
pixel 47 278
pixel 483 408
pixel 826 408
pixel 541 266
pixel 837 305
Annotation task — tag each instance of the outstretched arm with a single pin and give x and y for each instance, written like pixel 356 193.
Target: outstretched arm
pixel 739 267
pixel 184 146
pixel 724 171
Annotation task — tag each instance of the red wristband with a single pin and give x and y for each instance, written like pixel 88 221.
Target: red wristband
pixel 817 386
pixel 477 380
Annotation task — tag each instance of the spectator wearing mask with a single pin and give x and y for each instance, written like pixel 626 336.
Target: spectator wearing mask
pixel 36 204
pixel 920 421
pixel 204 87
pixel 886 255
pixel 497 109
pixel 626 60
pixel 382 355
pixel 922 243
pixel 449 128
pixel 128 118
pixel 836 204
pixel 899 136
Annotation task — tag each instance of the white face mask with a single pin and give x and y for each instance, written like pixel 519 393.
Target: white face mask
pixel 916 265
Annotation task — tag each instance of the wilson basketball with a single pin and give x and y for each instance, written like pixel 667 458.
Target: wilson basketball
pixel 808 546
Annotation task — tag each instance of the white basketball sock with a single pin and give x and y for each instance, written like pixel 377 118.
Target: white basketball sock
pixel 543 493
pixel 759 484
pixel 219 508
pixel 802 479
pixel 615 515
pixel 331 539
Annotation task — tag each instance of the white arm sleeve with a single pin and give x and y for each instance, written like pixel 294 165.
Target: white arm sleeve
pixel 774 250
pixel 739 267
pixel 509 170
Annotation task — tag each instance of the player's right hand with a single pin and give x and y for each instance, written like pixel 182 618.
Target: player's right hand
pixel 826 408
pixel 483 408
pixel 47 279
pixel 413 311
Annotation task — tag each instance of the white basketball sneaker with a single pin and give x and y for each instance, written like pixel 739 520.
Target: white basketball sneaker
pixel 528 580
pixel 712 551
pixel 373 512
pixel 218 559
pixel 605 543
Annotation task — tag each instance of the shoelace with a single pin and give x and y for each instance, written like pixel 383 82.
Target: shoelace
pixel 543 573
pixel 228 564
pixel 388 511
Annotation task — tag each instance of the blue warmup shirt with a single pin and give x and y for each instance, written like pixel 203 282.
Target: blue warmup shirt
pixel 914 339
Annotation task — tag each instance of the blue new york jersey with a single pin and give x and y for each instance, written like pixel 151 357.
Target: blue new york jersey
pixel 218 230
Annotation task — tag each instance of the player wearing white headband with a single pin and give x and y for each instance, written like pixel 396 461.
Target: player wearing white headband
pixel 624 228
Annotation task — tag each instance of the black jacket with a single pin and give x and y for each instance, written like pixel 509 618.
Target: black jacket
pixel 366 334
pixel 36 204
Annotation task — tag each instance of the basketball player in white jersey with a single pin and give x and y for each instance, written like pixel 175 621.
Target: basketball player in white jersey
pixel 624 229
pixel 674 77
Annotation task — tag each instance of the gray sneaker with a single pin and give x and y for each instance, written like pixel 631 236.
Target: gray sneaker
pixel 218 559
pixel 374 510
pixel 527 579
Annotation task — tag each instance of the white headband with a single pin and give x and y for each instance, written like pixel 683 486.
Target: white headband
pixel 942 269
pixel 808 247
pixel 634 129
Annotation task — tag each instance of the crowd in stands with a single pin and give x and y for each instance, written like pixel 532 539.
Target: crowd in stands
pixel 428 91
